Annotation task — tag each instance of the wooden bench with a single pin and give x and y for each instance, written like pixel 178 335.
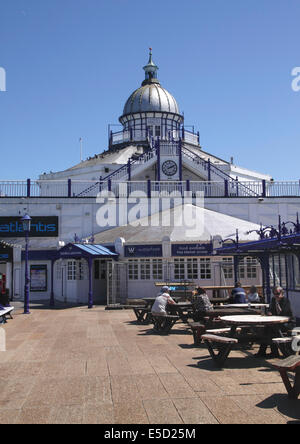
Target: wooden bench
pixel 290 364
pixel 222 331
pixel 222 343
pixel 284 345
pixel 143 315
pixel 198 330
pixel 6 312
pixel 164 324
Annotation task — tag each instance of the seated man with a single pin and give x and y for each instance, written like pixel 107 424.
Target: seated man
pixel 280 306
pixel 160 304
pixel 238 294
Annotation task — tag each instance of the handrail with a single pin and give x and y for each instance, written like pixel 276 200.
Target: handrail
pixel 72 188
pixel 130 163
pixel 217 171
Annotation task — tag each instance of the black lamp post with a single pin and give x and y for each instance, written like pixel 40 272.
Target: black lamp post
pixel 26 221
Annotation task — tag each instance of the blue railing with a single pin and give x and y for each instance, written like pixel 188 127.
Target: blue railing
pixel 75 188
pixel 143 135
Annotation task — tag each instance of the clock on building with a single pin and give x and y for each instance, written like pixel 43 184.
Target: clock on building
pixel 169 168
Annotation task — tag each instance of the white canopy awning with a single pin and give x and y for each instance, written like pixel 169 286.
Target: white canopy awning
pixel 184 223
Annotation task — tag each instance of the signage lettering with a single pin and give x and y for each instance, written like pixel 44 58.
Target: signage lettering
pixel 40 227
pixel 192 250
pixel 143 251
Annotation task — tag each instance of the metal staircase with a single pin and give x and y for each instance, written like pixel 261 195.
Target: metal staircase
pixel 205 168
pixel 213 173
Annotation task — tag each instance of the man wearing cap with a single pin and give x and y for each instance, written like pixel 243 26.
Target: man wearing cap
pixel 160 304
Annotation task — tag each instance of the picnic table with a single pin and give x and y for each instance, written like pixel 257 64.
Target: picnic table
pixel 252 322
pixel 250 305
pixel 150 301
pixel 238 334
pixel 216 289
pixel 182 309
pixel 6 311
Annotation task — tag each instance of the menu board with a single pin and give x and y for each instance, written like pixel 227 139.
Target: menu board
pixel 38 278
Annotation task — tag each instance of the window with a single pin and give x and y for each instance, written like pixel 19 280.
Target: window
pixel 294 272
pixel 133 269
pixel 192 268
pixel 251 267
pixel 80 271
pixel 248 268
pixel 58 271
pixel 157 131
pixel 157 270
pixel 279 270
pixel 150 131
pixel 179 269
pixel 205 268
pixel 145 269
pixel 227 267
pixel 71 271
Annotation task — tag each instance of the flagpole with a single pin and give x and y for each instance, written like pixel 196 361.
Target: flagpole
pixel 80 149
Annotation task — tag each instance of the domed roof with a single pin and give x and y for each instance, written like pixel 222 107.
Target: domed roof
pixel 151 97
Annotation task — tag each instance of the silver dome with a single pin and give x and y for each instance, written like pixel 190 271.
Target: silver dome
pixel 151 97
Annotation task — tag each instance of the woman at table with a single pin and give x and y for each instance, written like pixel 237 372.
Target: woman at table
pixel 280 306
pixel 201 304
pixel 159 308
pixel 253 295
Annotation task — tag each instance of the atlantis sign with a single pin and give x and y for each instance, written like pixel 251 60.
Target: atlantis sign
pixel 44 226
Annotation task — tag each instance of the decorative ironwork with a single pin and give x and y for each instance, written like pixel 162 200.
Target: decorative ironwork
pixel 270 232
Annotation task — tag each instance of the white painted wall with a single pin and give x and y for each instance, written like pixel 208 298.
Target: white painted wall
pixel 79 215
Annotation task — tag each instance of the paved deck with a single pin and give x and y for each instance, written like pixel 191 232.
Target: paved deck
pixel 76 365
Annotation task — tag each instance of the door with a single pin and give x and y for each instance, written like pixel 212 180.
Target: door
pixel 100 281
pixel 116 283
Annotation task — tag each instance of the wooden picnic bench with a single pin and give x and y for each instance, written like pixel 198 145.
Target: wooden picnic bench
pixel 6 312
pixel 182 309
pixel 222 343
pixel 164 324
pixel 198 330
pixel 284 345
pixel 290 364
pixel 143 314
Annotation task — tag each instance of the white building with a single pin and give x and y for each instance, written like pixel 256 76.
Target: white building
pixel 152 156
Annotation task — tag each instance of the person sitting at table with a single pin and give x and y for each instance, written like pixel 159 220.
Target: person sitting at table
pixel 279 306
pixel 238 294
pixel 253 295
pixel 159 308
pixel 201 304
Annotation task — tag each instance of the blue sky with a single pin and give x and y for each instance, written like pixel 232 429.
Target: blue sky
pixel 72 64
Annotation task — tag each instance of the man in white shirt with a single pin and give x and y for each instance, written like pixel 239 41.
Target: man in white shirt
pixel 160 304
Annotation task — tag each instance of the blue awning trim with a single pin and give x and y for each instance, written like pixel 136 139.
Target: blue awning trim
pixel 291 241
pixel 75 251
pixel 96 250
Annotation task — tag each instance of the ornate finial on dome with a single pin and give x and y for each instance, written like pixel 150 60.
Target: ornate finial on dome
pixel 150 71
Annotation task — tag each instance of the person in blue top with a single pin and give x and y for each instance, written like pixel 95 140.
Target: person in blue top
pixel 238 294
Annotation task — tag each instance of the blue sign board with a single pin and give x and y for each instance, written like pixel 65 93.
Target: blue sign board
pixel 192 250
pixel 43 226
pixel 6 254
pixel 143 251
